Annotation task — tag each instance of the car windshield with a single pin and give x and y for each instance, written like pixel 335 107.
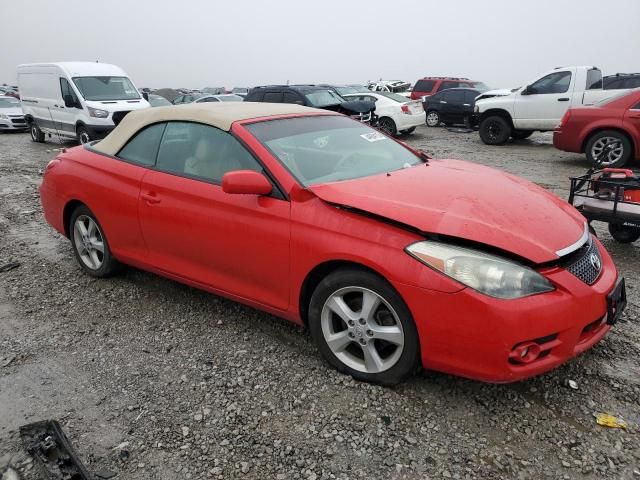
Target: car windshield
pixel 481 87
pixel 347 90
pixel 106 88
pixel 9 102
pixel 158 101
pixel 320 149
pixel 616 97
pixel 230 98
pixel 394 96
pixel 323 98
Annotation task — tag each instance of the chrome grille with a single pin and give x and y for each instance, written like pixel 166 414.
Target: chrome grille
pixel 587 266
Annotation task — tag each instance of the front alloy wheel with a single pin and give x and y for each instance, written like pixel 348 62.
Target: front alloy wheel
pixel 362 330
pixel 89 242
pixel 363 327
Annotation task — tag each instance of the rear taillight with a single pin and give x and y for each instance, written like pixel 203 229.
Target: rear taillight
pixel 565 119
pixel 405 109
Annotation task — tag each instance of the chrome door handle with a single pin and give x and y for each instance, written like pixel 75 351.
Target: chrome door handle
pixel 150 199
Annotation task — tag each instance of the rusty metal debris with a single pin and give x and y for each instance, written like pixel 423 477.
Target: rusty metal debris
pixel 52 451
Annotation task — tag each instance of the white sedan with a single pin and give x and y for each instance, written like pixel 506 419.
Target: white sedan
pixel 396 113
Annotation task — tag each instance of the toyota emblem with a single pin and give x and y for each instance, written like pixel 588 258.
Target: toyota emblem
pixel 595 261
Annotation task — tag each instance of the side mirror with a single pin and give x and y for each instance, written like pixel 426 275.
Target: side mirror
pixel 527 90
pixel 145 95
pixel 70 102
pixel 246 182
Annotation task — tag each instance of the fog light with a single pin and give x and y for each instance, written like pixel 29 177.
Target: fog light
pixel 525 352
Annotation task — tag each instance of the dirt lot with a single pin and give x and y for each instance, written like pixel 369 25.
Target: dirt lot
pixel 155 380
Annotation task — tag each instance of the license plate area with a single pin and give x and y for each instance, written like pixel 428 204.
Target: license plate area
pixel 616 301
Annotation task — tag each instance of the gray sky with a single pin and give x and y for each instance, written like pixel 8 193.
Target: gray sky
pixel 197 43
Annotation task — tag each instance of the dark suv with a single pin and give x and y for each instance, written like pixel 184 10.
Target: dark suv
pixel 621 80
pixel 316 96
pixel 428 86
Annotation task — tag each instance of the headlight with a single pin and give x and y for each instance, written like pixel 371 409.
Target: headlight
pixel 96 112
pixel 4 117
pixel 488 274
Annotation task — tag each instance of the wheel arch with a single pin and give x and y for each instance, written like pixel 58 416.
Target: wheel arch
pixel 499 112
pixel 321 271
pixel 67 211
pixel 602 128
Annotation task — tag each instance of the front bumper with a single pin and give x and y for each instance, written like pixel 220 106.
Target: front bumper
pixel 98 132
pixel 479 337
pixel 13 124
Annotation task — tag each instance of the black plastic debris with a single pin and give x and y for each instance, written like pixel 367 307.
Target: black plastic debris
pixel 9 266
pixel 53 454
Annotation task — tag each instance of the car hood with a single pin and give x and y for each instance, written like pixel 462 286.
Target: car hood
pixel 12 111
pixel 468 201
pixel 503 92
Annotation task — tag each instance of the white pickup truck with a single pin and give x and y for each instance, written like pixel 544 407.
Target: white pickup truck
pixel 539 105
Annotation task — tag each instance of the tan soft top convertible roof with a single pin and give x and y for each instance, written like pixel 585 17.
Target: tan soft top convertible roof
pixel 219 115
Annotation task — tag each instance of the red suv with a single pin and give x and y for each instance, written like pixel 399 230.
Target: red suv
pixel 428 86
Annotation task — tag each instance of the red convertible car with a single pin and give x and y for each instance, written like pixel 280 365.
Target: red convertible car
pixel 609 129
pixel 393 260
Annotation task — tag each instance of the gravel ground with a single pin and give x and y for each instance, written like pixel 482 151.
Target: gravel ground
pixel 155 380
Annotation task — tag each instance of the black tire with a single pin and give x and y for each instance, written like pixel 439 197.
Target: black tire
pixel 409 131
pixel 495 130
pixel 433 118
pixel 591 148
pixel 37 135
pixel 624 234
pixel 406 364
pixel 521 134
pixel 388 126
pixel 108 265
pixel 82 135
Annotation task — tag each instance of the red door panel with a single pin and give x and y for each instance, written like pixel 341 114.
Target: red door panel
pixel 632 122
pixel 235 243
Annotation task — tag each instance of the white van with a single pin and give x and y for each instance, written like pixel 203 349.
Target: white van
pixel 81 100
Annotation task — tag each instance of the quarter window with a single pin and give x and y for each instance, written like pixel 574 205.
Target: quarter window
pixel 290 97
pixel 143 147
pixel 557 82
pixel 424 85
pixel 456 97
pixel 202 152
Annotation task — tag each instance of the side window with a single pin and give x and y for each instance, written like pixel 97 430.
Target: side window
pixel 456 97
pixel 633 82
pixel 291 97
pixel 470 96
pixel 143 147
pixel 557 82
pixel 178 100
pixel 202 152
pixel 67 91
pixel 448 84
pixel 636 106
pixel 272 97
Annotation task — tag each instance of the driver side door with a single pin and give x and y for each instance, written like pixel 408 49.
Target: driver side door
pixel 235 244
pixel 546 101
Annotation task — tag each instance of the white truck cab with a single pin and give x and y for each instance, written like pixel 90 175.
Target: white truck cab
pixel 539 105
pixel 81 100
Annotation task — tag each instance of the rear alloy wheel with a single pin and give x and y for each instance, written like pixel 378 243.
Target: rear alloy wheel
pixel 623 233
pixel 521 134
pixel 90 245
pixel 82 135
pixel 388 126
pixel 614 148
pixel 433 118
pixel 363 328
pixel 495 130
pixel 37 135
